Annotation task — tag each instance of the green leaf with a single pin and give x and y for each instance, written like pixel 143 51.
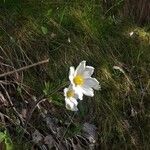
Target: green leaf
pixel 2 136
pixel 44 30
pixel 49 13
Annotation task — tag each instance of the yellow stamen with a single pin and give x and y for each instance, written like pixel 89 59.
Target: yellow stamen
pixel 78 80
pixel 70 93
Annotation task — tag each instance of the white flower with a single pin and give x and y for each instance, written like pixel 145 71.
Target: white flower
pixel 71 98
pixel 69 40
pixel 82 81
pixel 131 33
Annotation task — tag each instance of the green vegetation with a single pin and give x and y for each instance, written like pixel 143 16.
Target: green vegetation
pixel 68 32
pixel 5 139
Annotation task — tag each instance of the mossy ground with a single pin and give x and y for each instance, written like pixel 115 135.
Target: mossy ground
pixel 68 32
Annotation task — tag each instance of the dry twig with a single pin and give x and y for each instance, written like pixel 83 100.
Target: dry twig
pixel 24 68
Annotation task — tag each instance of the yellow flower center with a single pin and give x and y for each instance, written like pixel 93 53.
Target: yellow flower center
pixel 78 80
pixel 70 93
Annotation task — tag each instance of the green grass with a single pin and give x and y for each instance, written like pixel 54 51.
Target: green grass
pixel 32 31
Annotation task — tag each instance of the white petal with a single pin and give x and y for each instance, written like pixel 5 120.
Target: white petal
pixel 78 91
pixel 70 87
pixel 92 82
pixel 88 91
pixel 73 100
pixel 76 96
pixel 80 68
pixel 88 71
pixel 70 106
pixel 75 108
pixel 65 91
pixel 71 73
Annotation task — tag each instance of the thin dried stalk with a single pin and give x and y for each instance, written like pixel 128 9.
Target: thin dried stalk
pixel 24 68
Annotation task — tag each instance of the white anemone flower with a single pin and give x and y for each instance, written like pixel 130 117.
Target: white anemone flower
pixel 82 81
pixel 71 98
